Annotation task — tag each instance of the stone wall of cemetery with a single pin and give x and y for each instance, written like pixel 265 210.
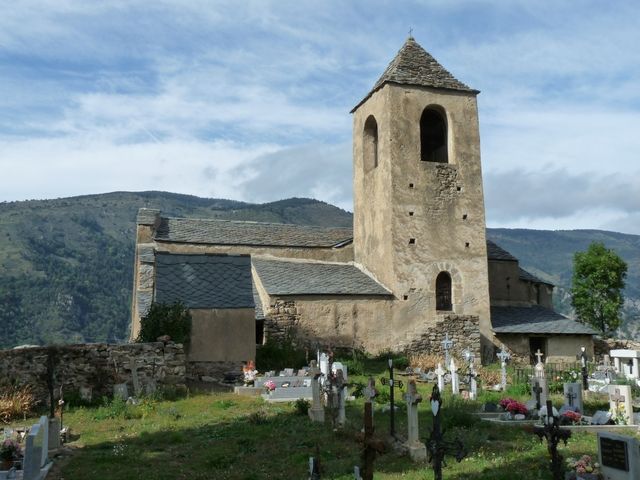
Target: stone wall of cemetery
pixel 96 365
pixel 464 330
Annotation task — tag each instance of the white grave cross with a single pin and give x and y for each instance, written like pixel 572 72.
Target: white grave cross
pixel 455 382
pixel 440 373
pixel 417 449
pixel 446 345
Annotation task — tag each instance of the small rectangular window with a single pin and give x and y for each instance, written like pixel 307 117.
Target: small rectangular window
pixel 466 244
pixel 458 188
pixel 405 297
pixel 411 214
pixel 464 217
pixel 411 185
pixel 412 241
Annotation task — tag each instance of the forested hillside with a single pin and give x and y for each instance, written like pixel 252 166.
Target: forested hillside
pixel 66 265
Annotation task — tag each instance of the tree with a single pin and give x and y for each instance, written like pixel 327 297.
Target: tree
pixel 173 320
pixel 598 281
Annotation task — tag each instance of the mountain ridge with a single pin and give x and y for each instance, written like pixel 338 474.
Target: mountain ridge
pixel 66 264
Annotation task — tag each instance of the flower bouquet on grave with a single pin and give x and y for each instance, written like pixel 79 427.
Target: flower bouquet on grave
pixel 270 386
pixel 572 418
pixel 583 469
pixel 10 451
pixel 513 407
pixel 618 415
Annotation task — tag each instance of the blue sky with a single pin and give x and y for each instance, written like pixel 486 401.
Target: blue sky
pixel 249 99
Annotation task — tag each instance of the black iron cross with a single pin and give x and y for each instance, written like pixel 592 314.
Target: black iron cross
pixel 537 390
pixel 552 432
pixel 392 384
pixel 437 447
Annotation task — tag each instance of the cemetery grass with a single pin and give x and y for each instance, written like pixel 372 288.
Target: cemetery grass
pixel 224 436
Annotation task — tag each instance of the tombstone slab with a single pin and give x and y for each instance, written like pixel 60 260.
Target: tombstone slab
pixel 601 418
pixel 619 456
pixel 573 396
pixel 621 402
pixel 316 412
pixel 417 449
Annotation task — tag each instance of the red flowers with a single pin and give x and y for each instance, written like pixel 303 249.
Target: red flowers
pixel 513 406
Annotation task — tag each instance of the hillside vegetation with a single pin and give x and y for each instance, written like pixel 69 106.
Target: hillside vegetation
pixel 66 265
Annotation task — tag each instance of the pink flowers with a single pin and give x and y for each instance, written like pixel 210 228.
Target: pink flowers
pixel 270 385
pixel 584 465
pixel 513 406
pixel 9 449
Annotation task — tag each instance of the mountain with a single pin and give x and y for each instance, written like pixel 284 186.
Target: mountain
pixel 549 255
pixel 66 265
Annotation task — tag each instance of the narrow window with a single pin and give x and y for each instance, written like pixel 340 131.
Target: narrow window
pixel 259 332
pixel 464 216
pixel 411 185
pixel 411 214
pixel 370 143
pixel 443 291
pixel 433 137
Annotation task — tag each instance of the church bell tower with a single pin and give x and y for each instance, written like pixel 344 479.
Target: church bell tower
pixel 419 223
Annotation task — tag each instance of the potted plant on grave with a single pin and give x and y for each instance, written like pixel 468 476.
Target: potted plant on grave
pixel 583 469
pixel 10 451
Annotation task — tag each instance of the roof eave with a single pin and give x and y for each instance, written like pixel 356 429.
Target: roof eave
pixel 471 91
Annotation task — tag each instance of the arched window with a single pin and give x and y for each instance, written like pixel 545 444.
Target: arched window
pixel 370 143
pixel 443 291
pixel 433 137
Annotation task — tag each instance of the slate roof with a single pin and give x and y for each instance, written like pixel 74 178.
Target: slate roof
pixel 413 65
pixel 494 252
pixel 307 278
pixel 232 232
pixel 258 302
pixel 536 320
pixel 204 281
pixel 524 275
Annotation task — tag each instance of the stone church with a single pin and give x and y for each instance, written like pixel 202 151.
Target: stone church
pixel 415 267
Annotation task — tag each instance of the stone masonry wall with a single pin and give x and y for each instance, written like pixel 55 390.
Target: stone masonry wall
pixel 95 365
pixel 463 330
pixel 282 317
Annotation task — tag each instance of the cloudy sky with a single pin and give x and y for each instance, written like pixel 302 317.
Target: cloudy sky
pixel 249 99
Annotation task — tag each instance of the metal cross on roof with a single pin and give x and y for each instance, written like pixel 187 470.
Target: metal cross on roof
pixel 539 354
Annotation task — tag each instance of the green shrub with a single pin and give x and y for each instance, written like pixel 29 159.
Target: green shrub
pixel 173 320
pixel 117 408
pixel 277 354
pixel 302 406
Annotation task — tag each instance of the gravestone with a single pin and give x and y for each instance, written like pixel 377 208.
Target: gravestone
pixel 120 390
pixel 619 456
pixel 417 449
pixel 287 372
pixel 440 373
pixel 621 402
pixel 133 367
pixel 573 396
pixel 324 364
pixel 455 381
pixel 316 412
pixel 53 433
pixel 36 463
pixel 539 391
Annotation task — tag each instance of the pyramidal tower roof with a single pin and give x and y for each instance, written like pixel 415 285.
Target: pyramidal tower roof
pixel 413 65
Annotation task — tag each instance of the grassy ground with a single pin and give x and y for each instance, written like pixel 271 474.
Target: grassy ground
pixel 223 436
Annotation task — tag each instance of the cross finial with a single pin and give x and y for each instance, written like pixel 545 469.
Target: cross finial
pixel 539 354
